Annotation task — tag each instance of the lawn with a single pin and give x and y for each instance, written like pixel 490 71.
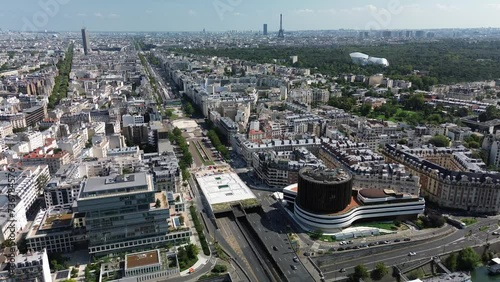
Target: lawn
pixel 380 225
pixel 469 221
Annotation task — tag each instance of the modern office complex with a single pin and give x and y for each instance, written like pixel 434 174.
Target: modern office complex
pixel 57 230
pixel 121 213
pixel 264 31
pixel 323 191
pixel 85 41
pixel 324 200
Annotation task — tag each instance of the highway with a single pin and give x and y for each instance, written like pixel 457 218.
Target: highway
pixel 230 231
pixel 231 239
pixel 398 254
pixel 273 236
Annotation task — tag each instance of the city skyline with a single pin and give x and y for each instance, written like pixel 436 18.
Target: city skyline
pixel 223 15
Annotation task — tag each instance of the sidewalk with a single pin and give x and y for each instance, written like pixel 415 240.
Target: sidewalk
pixel 202 261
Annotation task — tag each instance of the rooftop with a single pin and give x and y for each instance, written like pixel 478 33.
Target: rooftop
pixel 221 188
pixel 324 175
pixel 142 259
pixel 115 184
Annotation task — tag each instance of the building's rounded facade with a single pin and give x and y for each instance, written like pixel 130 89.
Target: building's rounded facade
pixel 324 191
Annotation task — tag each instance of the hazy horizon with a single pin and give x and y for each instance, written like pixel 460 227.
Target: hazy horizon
pixel 245 15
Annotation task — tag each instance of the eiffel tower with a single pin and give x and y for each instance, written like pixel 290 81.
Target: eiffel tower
pixel 281 32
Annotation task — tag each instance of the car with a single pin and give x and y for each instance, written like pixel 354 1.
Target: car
pixel 356 247
pixel 294 267
pixel 411 254
pixel 407 239
pixel 340 249
pixel 397 240
pixel 348 248
pixel 275 248
pixel 495 233
pixel 371 244
pixel 342 270
pixel 364 246
pixel 350 242
pixel 385 242
pixel 295 259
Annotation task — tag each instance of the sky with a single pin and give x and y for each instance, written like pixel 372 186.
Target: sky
pixel 223 15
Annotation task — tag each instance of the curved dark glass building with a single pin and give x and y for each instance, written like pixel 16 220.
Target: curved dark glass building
pixel 324 191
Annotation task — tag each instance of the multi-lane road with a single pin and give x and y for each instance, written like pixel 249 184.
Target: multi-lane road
pixel 399 255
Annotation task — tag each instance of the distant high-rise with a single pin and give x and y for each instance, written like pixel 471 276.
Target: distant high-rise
pixel 86 43
pixel 281 32
pixel 264 32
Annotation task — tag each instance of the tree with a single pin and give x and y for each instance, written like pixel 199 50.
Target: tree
pixel 416 274
pixel 360 272
pixel 415 102
pixel 188 109
pixel 468 259
pixel 158 203
pixel 169 113
pixel 451 262
pixel 440 141
pixel 491 113
pixel 74 272
pixel 316 234
pixel 219 268
pixel 461 112
pixel 365 109
pixel 380 271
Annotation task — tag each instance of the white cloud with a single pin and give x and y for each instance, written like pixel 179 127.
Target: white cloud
pixel 113 16
pixel 493 6
pixel 149 12
pixel 411 6
pixel 304 11
pixel 99 15
pixel 238 14
pixel 444 7
pixel 330 11
pixel 81 15
pixel 192 12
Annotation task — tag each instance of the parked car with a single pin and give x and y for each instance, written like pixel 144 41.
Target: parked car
pixel 275 248
pixel 407 239
pixel 495 233
pixel 342 270
pixel 412 254
pixel 294 267
pixel 397 240
pixel 295 259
